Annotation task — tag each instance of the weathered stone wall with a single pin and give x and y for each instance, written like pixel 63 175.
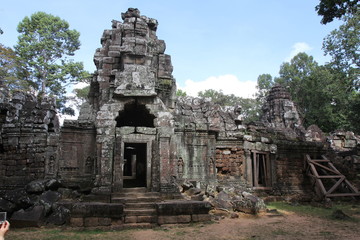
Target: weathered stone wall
pixel 289 172
pixel 77 158
pixel 202 128
pixel 230 162
pixel 29 136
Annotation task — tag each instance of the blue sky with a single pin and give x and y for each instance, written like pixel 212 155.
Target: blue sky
pixel 223 44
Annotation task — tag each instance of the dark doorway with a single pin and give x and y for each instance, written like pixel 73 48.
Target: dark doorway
pixel 134 174
pixel 261 169
pixel 135 115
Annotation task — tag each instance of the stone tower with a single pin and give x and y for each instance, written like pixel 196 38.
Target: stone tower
pixel 127 120
pixel 131 61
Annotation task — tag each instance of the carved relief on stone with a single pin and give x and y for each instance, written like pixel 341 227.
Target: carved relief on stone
pixel 211 164
pixel 50 166
pixel 89 165
pixel 180 167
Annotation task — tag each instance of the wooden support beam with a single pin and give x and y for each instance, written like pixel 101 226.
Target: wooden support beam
pixel 336 185
pixel 330 176
pixel 343 195
pixel 314 165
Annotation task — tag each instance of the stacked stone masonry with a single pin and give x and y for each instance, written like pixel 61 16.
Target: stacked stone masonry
pixel 133 132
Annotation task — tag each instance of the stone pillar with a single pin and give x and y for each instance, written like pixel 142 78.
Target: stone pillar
pixel 165 166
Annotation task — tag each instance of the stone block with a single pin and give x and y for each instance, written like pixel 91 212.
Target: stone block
pixel 31 218
pixel 114 48
pixel 91 222
pixel 125 130
pixel 130 219
pixel 146 130
pixel 200 217
pixel 104 221
pixel 338 143
pixel 350 143
pixel 96 209
pixel 114 54
pixel 117 222
pixel 77 222
pixel 183 218
pixel 146 219
pixel 167 220
pixel 108 60
pixel 182 208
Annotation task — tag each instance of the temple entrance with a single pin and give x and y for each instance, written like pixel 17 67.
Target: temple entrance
pixel 261 171
pixel 134 171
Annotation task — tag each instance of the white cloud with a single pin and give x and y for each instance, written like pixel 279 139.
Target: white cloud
pixel 229 84
pixel 298 48
pixel 80 85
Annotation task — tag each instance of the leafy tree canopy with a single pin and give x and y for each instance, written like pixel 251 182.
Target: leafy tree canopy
pixel 180 93
pixel 11 71
pixel 44 44
pixel 323 94
pixel 343 45
pixel 331 9
pixel 264 83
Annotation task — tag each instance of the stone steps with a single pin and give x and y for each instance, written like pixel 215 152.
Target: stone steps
pixel 139 212
pixel 139 206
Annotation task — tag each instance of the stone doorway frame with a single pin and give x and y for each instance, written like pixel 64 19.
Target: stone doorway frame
pixel 118 164
pixel 255 169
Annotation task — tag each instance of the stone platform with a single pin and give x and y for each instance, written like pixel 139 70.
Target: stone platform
pixel 135 207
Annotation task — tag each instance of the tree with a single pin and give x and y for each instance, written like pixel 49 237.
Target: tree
pixel 330 9
pixel 264 83
pixel 321 94
pixel 294 73
pixel 44 44
pixel 81 95
pixel 11 72
pixel 343 46
pixel 180 93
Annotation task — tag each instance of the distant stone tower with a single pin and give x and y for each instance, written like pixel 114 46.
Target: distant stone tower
pixel 279 111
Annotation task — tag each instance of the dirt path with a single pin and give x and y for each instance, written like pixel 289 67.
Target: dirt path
pixel 284 226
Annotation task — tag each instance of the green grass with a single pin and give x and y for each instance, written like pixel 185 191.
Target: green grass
pixel 322 212
pixel 279 232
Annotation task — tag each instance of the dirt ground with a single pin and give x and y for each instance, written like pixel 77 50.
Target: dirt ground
pixel 286 225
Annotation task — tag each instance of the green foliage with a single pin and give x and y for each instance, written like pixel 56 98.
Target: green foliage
pixel 181 93
pixel 81 95
pixel 343 46
pixel 44 44
pixel 321 92
pixel 11 72
pixel 264 83
pixel 331 9
pixel 250 107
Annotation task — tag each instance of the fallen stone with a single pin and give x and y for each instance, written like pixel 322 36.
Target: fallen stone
pixel 52 184
pixel 19 197
pixel 29 218
pixel 60 216
pixel 6 206
pixel 36 186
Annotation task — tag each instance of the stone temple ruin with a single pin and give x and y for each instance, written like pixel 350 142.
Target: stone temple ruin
pixel 136 147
